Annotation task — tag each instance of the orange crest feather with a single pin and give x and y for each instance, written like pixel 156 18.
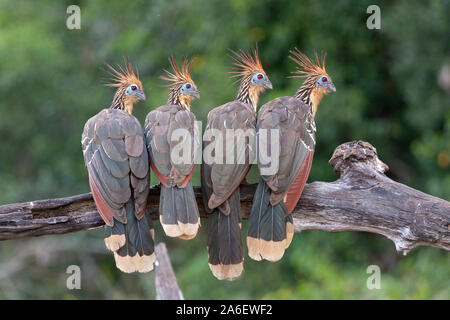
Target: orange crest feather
pixel 179 76
pixel 306 66
pixel 246 63
pixel 123 76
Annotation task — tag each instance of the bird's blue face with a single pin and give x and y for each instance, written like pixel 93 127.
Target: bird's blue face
pixel 189 89
pixel 262 80
pixel 325 82
pixel 134 91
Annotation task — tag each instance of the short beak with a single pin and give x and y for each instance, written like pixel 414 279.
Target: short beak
pixel 196 94
pixel 267 84
pixel 331 88
pixel 141 95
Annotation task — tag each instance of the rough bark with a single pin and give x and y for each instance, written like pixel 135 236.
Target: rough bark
pixel 362 199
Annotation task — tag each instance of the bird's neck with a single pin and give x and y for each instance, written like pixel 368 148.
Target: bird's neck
pixel 123 102
pixel 182 100
pixel 185 100
pixel 310 94
pixel 249 93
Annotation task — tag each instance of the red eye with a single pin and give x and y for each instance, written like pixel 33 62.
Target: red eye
pixel 260 76
pixel 188 86
pixel 324 79
pixel 134 88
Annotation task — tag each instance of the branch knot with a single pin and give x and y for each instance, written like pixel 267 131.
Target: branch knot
pixel 354 153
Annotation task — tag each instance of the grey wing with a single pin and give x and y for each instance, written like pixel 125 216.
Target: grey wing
pixel 283 157
pixel 183 138
pixel 139 165
pixel 172 141
pixel 113 147
pixel 156 130
pixel 232 164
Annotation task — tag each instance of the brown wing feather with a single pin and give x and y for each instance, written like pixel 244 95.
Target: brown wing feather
pixel 103 209
pixel 222 178
pixel 296 189
pixel 113 149
pixel 161 177
pixel 296 127
pixel 159 126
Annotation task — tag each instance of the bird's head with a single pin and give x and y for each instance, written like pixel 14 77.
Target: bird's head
pixel 317 81
pixel 182 88
pixel 129 87
pixel 249 71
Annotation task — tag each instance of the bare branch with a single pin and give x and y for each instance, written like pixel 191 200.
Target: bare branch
pixel 165 282
pixel 362 199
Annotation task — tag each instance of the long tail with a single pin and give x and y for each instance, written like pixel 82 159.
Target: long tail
pixel 270 229
pixel 132 243
pixel 178 211
pixel 226 257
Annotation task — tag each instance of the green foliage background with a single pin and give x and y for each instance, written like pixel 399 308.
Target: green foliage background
pixel 388 93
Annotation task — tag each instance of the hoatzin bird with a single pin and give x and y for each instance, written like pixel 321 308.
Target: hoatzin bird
pixel 221 179
pixel 117 162
pixel 178 210
pixel 270 225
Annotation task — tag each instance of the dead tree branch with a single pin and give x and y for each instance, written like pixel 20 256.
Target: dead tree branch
pixel 362 199
pixel 165 281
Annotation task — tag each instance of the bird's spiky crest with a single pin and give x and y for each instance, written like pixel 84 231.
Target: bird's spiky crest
pixel 179 77
pixel 246 63
pixel 307 68
pixel 123 76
